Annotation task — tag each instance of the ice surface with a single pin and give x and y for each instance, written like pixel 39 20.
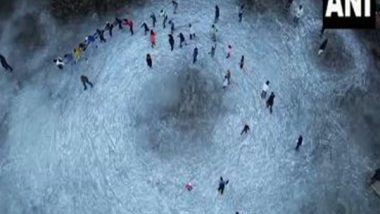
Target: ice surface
pixel 130 144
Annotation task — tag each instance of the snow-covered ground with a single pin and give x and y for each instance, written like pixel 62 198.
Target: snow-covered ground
pixel 131 143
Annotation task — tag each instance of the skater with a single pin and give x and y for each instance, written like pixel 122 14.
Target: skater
pixel 59 63
pixel 77 54
pixel 375 177
pixel 172 26
pixel 119 23
pixel 265 90
pixel 299 13
pixel 175 6
pixel 270 102
pixel 149 60
pixel 195 55
pixel 217 13
pixel 90 39
pixel 165 18
pixel 288 4
pixel 322 47
pixel 189 186
pixel 241 11
pixel 214 32
pixel 229 51
pixel 109 27
pixel 101 35
pixel 85 81
pixel 181 39
pixel 171 42
pixel 227 79
pixel 152 38
pixel 154 19
pixel 299 142
pixel 212 52
pixel 82 46
pixel 146 28
pixel 245 130
pixel 5 64
pixel 242 62
pixel 129 23
pixel 222 185
pixel 191 30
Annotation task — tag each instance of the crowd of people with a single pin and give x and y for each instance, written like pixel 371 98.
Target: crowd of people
pixel 99 35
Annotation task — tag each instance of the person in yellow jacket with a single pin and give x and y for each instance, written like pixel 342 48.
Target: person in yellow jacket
pixel 77 54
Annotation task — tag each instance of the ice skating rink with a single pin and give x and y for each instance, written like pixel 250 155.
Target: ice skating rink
pixel 130 144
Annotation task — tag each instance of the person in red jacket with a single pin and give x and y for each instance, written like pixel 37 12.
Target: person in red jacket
pixel 129 23
pixel 153 38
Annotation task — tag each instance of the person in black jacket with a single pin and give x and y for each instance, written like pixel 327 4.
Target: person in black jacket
pixel 299 142
pixel 217 14
pixel 101 35
pixel 245 129
pixel 222 185
pixel 109 27
pixel 5 64
pixel 171 42
pixel 84 79
pixel 270 102
pixel 146 28
pixel 195 55
pixel 149 60
pixel 119 23
pixel 181 39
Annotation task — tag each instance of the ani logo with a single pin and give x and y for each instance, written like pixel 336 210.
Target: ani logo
pixel 349 14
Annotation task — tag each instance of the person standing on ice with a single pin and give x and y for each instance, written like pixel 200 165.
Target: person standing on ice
pixel 245 130
pixel 214 32
pixel 152 38
pixel 322 47
pixel 154 19
pixel 172 26
pixel 77 54
pixel 217 14
pixel 270 102
pixel 191 30
pixel 5 64
pixel 299 142
pixel 109 27
pixel 181 39
pixel 84 79
pixel 241 11
pixel 265 89
pixel 149 60
pixel 165 18
pixel 175 6
pixel 222 185
pixel 101 35
pixel 90 39
pixel 288 4
pixel 227 79
pixel 242 62
pixel 59 63
pixel 171 42
pixel 229 51
pixel 129 23
pixel 299 14
pixel 212 52
pixel 195 55
pixel 189 186
pixel 146 28
pixel 119 23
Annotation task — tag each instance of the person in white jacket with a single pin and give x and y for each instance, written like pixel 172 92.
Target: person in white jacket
pixel 265 90
pixel 299 14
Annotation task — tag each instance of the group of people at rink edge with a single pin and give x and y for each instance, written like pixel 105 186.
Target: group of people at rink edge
pixel 120 23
